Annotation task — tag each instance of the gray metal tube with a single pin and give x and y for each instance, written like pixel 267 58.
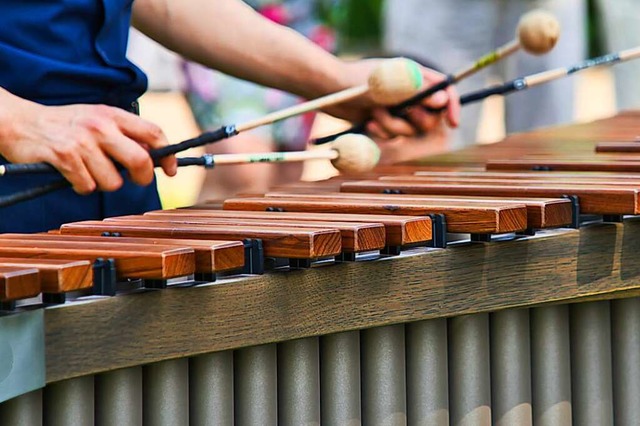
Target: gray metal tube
pixel 24 410
pixel 69 402
pixel 427 373
pixel 383 376
pixel 625 328
pixel 340 379
pixel 166 393
pixel 119 397
pixel 299 382
pixel 256 390
pixel 551 366
pixel 469 375
pixel 211 389
pixel 510 368
pixel 591 373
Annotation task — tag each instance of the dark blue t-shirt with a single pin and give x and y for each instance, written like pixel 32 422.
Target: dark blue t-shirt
pixel 59 52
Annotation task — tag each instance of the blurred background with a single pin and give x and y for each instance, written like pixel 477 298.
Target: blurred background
pixel 351 28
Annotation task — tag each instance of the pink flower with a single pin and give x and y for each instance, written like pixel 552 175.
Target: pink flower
pixel 324 37
pixel 276 13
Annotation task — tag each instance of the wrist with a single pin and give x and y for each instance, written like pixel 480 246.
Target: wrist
pixel 324 78
pixel 8 105
pixel 14 111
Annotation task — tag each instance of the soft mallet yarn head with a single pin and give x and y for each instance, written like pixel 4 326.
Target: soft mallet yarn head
pixel 356 153
pixel 394 81
pixel 538 31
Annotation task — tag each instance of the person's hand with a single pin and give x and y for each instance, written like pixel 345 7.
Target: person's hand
pixel 82 142
pixel 381 124
pixel 408 148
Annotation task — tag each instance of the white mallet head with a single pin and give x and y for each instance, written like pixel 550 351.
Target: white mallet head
pixel 356 153
pixel 394 81
pixel 538 31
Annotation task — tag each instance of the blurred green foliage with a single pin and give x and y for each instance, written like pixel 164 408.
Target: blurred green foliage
pixel 594 30
pixel 357 22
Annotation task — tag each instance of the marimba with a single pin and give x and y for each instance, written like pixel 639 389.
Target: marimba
pixel 365 314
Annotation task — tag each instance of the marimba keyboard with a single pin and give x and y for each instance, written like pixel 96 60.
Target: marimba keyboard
pixel 383 329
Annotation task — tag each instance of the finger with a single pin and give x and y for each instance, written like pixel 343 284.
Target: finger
pixel 71 166
pixel 453 112
pixel 169 165
pixel 432 77
pixel 437 101
pixel 148 135
pixel 447 101
pixel 424 121
pixel 375 130
pixel 393 125
pixel 102 169
pixel 130 154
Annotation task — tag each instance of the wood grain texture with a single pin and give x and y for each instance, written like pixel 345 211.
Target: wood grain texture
pixel 399 230
pixel 565 165
pixel 460 218
pixel 141 261
pixel 633 147
pixel 593 199
pixel 210 255
pixel 567 177
pixel 541 213
pixel 540 181
pixel 18 282
pixel 332 184
pixel 597 261
pixel 56 276
pixel 277 241
pixel 356 237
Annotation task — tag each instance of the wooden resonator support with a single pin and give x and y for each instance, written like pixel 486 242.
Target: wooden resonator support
pixel 56 275
pixel 289 242
pixel 593 199
pixel 574 177
pixel 132 261
pixel 541 213
pixel 356 237
pixel 546 164
pixel 211 256
pixel 619 147
pixel 399 230
pixel 460 218
pixel 18 282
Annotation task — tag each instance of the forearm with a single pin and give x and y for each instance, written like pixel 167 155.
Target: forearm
pixel 229 36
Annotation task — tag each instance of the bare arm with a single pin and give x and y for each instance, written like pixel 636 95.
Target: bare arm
pixel 230 36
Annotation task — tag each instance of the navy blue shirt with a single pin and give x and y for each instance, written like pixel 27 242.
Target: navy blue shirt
pixel 59 52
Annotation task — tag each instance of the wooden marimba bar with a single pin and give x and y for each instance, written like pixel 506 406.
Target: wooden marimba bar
pixel 363 316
